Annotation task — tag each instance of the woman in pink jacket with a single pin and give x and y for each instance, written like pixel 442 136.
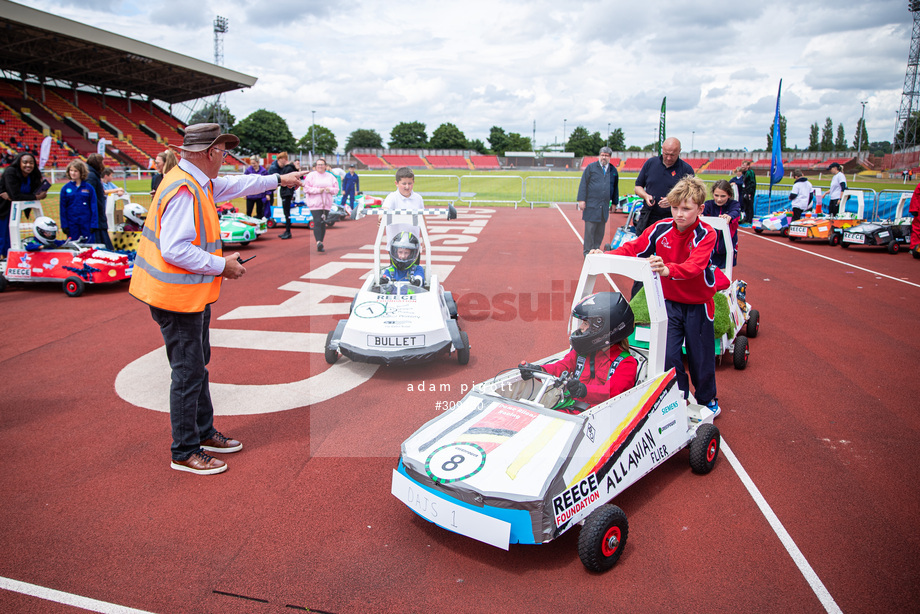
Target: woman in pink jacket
pixel 319 188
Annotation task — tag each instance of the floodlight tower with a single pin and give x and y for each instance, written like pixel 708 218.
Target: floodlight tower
pixel 910 97
pixel 221 26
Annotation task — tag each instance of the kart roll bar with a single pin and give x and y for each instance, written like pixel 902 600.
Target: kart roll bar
pixel 413 217
pixel 637 269
pixel 721 226
pixel 17 226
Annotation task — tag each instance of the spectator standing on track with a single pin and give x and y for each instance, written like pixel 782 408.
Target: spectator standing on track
pixel 319 188
pixel 748 192
pixel 79 207
pixel 287 194
pixel 178 273
pixel 404 198
pixel 914 210
pixel 21 180
pixel 158 163
pixel 724 206
pixel 599 187
pixel 802 195
pixel 258 201
pixel 656 179
pixel 95 165
pixel 737 184
pixel 351 185
pixel 679 250
pixel 835 192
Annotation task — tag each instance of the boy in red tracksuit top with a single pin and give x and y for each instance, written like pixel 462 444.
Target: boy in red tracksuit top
pixel 599 363
pixel 679 250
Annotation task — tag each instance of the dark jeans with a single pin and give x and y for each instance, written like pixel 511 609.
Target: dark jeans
pixel 833 207
pixel 796 214
pixel 689 325
pixel 594 235
pixel 319 224
pixel 286 207
pixel 254 204
pixel 747 207
pixel 188 348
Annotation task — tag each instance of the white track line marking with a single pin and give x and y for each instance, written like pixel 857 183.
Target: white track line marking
pixel 801 562
pixel 797 557
pixel 49 594
pixel 852 266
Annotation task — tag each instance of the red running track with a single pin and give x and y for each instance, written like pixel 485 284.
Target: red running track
pixel 823 420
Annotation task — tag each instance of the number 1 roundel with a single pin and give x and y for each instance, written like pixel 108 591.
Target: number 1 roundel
pixel 454 462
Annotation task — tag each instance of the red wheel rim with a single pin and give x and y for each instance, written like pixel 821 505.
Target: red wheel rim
pixel 71 286
pixel 712 449
pixel 611 541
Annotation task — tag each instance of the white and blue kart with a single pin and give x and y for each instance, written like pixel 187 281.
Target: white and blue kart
pixel 503 468
pixel 400 323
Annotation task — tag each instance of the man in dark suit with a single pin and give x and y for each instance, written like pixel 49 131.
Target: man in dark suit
pixel 599 188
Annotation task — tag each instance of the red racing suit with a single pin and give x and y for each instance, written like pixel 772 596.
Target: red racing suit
pixel 605 374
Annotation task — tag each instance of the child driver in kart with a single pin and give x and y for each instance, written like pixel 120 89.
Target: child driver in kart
pixel 599 362
pixel 404 251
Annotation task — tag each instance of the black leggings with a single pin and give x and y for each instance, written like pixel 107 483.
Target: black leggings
pixel 254 204
pixel 319 224
pixel 286 207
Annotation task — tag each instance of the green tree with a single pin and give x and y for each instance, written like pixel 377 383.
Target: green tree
pixel 879 148
pixel 212 113
pixel 840 144
pixel 409 135
pixel 813 143
pixel 262 132
pixel 516 142
pixel 827 135
pixel 861 130
pixel 326 142
pixel 782 135
pixel 617 140
pixel 634 148
pixel 498 141
pixel 448 136
pixel 363 137
pixel 582 143
pixel 478 146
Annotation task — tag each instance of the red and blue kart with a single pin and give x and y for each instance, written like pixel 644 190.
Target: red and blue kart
pixel 505 468
pixel 400 323
pixel 73 264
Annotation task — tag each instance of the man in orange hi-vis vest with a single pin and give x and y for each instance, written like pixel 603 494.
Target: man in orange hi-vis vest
pixel 178 272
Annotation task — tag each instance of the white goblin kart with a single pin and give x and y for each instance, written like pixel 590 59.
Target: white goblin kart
pixel 400 323
pixel 502 468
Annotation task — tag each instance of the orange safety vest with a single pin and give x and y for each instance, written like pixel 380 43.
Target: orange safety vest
pixel 163 285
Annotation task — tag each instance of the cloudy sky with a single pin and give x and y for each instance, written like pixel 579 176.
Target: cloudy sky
pixel 561 64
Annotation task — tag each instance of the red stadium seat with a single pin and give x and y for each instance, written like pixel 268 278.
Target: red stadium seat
pixel 371 161
pixel 633 165
pixel 399 161
pixel 447 161
pixel 485 162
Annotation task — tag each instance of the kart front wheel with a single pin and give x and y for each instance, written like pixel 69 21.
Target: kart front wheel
pixel 785 231
pixel 332 355
pixel 742 352
pixel 270 223
pixel 833 239
pixel 244 243
pixel 915 253
pixel 603 538
pixel 894 247
pixel 844 244
pixel 3 283
pixel 463 354
pixel 704 448
pixel 753 323
pixel 74 286
pixel 758 230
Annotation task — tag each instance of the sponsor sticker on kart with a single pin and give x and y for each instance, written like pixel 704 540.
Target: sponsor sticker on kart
pixel 396 341
pixel 883 234
pixel 14 272
pixel 798 231
pixel 850 237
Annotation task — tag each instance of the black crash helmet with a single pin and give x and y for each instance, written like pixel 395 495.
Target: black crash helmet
pixel 406 240
pixel 609 318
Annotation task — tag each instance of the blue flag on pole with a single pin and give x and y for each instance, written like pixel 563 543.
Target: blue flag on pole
pixel 776 163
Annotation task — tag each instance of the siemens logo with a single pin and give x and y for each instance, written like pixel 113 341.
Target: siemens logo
pixel 669 408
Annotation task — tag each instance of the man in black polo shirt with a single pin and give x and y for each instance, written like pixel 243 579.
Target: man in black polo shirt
pixel 655 180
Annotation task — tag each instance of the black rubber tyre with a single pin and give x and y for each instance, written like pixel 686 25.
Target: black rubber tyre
pixel 741 352
pixel 753 324
pixel 793 239
pixel 758 230
pixel 844 245
pixel 270 223
pixel 894 247
pixel 834 239
pixel 3 283
pixel 451 305
pixel 463 354
pixel 330 224
pixel 74 286
pixel 244 243
pixel 704 448
pixel 785 231
pixel 915 253
pixel 331 355
pixel 603 538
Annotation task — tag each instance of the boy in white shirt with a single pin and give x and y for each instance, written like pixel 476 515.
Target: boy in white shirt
pixel 402 199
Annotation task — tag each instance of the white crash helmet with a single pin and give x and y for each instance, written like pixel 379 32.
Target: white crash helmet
pixel 404 240
pixel 136 213
pixel 44 230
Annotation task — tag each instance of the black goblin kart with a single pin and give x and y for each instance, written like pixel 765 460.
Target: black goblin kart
pixel 502 468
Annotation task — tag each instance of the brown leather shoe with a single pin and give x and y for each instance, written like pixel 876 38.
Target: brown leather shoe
pixel 220 444
pixel 200 463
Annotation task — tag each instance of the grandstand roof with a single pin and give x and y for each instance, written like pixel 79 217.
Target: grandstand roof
pixel 45 46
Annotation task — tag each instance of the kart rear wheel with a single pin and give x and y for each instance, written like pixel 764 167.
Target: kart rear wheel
pixel 704 448
pixel 742 352
pixel 3 283
pixel 603 538
pixel 330 224
pixel 758 230
pixel 894 247
pixel 915 253
pixel 833 239
pixel 74 286
pixel 844 244
pixel 463 354
pixel 753 323
pixel 784 231
pixel 270 223
pixel 791 238
pixel 331 354
pixel 244 243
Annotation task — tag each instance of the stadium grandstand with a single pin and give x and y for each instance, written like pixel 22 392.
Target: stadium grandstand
pixel 100 86
pixel 633 165
pixel 404 160
pixel 589 159
pixel 722 165
pixel 370 161
pixel 696 163
pixel 447 162
pixel 485 162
